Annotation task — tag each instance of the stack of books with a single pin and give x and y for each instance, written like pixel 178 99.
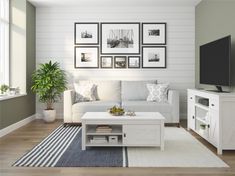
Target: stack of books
pixel 103 129
pixel 99 140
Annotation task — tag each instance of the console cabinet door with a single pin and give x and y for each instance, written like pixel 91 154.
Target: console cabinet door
pixel 191 111
pixel 214 127
pixel 141 135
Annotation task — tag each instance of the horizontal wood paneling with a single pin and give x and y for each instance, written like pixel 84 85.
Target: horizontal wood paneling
pixel 55 32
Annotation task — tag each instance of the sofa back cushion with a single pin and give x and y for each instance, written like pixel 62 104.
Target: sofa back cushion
pixel 135 90
pixel 106 90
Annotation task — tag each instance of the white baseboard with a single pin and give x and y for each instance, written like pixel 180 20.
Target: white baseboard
pixel 16 125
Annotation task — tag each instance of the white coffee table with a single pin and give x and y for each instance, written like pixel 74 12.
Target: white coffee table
pixel 144 129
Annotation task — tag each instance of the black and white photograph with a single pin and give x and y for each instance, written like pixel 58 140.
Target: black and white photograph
pixel 120 38
pixel 86 57
pixel 86 33
pixel 120 61
pixel 154 57
pixel 133 61
pixel 106 62
pixel 154 33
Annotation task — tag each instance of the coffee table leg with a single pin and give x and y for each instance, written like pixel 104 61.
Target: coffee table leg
pixel 162 136
pixel 84 137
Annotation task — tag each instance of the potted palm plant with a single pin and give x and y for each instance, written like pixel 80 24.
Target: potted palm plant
pixel 49 82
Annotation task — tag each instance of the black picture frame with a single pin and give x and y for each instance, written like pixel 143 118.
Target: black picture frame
pixel 164 53
pixel 115 61
pixel 76 24
pixel 86 67
pixel 129 66
pixel 101 59
pixel 154 43
pixel 120 23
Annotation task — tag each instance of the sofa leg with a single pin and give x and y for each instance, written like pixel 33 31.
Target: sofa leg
pixel 178 125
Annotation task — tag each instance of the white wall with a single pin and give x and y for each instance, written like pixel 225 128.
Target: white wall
pixel 55 41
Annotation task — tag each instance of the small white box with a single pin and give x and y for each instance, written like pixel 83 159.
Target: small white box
pixel 113 139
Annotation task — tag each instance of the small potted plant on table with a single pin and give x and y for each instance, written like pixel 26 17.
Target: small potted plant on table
pixel 49 82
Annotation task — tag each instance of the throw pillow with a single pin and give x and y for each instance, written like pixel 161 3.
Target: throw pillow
pixel 84 92
pixel 157 92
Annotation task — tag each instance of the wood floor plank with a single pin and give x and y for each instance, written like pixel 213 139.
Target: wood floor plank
pixel 17 143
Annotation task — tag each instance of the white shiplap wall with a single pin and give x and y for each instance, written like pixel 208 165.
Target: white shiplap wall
pixel 55 41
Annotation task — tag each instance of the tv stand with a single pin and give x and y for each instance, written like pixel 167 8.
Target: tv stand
pixel 211 115
pixel 219 88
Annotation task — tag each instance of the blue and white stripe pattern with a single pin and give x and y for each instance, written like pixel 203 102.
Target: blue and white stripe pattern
pixel 49 151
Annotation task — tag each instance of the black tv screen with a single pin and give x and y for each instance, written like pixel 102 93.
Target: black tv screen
pixel 215 62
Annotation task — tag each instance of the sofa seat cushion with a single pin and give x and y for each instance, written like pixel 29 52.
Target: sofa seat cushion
pixel 93 106
pixel 146 106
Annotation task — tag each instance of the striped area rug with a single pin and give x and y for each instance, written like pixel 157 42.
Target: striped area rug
pixel 62 148
pixel 48 152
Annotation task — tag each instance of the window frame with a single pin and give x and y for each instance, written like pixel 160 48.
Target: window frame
pixel 5 42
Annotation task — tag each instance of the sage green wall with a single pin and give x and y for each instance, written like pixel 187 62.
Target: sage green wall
pixel 16 109
pixel 214 20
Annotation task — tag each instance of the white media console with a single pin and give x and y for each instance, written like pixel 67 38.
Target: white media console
pixel 212 116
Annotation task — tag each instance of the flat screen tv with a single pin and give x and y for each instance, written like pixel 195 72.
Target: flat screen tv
pixel 215 63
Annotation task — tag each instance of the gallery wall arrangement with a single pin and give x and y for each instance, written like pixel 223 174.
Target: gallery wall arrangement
pixel 118 45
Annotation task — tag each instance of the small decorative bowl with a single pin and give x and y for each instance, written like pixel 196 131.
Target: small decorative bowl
pixel 117 113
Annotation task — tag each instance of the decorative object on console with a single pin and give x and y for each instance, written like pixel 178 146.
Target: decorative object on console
pixel 158 92
pixel 116 111
pixel 130 113
pixel 120 38
pixel 86 33
pixel 154 33
pixel 119 61
pixel 113 139
pixel 84 92
pixel 133 61
pixel 103 129
pixel 49 81
pixel 106 61
pixel 86 57
pixel 4 88
pixel 154 57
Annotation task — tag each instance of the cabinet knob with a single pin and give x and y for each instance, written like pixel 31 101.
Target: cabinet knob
pixel 193 117
pixel 208 126
pixel 212 105
pixel 191 98
pixel 124 134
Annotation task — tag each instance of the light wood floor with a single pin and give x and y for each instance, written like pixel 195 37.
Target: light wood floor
pixel 14 145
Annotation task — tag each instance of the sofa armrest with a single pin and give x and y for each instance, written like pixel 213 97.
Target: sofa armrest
pixel 173 99
pixel 68 102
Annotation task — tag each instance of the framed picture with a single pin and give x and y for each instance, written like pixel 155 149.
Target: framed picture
pixel 86 57
pixel 154 33
pixel 154 57
pixel 120 38
pixel 106 61
pixel 119 61
pixel 133 61
pixel 86 33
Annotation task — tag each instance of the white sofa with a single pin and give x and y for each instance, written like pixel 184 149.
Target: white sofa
pixel 131 95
